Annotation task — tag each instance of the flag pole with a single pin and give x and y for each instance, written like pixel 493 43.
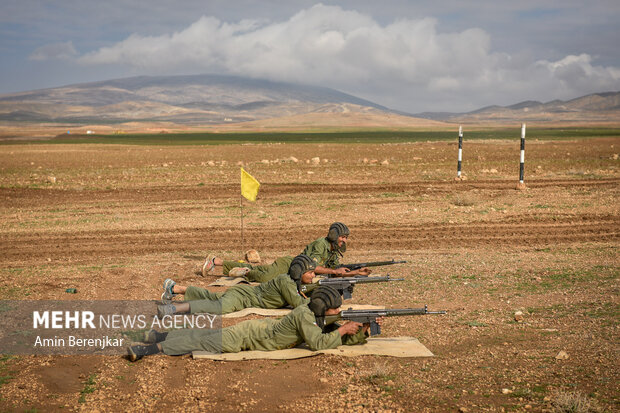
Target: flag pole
pixel 249 190
pixel 242 239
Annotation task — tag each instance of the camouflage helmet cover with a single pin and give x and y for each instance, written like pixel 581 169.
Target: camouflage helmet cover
pixel 299 266
pixel 323 298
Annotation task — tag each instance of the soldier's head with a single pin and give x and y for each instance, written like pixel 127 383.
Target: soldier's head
pixel 325 300
pixel 302 269
pixel 338 235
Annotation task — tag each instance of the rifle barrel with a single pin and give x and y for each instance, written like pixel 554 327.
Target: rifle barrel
pixel 389 312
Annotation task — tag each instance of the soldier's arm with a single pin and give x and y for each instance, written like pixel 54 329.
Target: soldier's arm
pixel 288 289
pixel 342 271
pixel 362 271
pixel 361 336
pixel 357 338
pixel 314 336
pixel 352 339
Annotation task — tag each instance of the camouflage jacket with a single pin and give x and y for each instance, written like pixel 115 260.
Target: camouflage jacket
pixel 321 252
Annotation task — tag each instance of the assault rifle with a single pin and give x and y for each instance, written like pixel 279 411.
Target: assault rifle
pixel 359 265
pixel 370 316
pixel 345 285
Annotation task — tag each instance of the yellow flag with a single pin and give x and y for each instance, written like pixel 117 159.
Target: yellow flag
pixel 249 186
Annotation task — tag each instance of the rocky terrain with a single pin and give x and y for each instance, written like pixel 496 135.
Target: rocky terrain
pixel 529 278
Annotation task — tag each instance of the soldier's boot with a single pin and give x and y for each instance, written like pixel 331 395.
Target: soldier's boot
pixel 209 264
pixel 153 336
pixel 166 309
pixel 167 295
pixel 135 353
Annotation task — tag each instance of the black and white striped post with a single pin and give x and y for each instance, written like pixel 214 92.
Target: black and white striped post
pixel 458 166
pixel 521 184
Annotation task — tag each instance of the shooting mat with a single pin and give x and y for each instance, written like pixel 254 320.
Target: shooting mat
pixel 377 346
pixel 281 312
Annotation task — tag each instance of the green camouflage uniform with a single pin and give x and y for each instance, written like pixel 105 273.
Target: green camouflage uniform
pixel 321 252
pixel 277 293
pixel 261 273
pixel 265 335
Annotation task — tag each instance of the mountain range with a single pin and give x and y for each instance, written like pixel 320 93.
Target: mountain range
pixel 593 107
pixel 202 100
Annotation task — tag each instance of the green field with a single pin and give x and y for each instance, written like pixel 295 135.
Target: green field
pixel 204 138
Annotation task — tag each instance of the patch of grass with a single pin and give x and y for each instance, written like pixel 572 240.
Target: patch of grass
pixel 525 393
pixel 390 195
pixel 573 402
pixel 555 278
pixel 463 200
pixel 475 324
pixel 4 358
pixel 335 208
pixel 284 203
pixel 89 387
pixel 92 268
pixel 312 136
pixel 379 375
pixel 11 293
pixel 608 312
pixel 5 379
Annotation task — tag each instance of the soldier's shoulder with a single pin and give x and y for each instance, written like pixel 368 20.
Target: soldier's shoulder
pixel 319 241
pixel 286 259
pixel 283 279
pixel 302 310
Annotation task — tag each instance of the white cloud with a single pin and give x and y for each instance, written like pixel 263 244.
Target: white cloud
pixel 577 73
pixel 61 51
pixel 406 64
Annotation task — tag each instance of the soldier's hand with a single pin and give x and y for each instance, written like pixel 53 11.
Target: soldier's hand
pixel 351 327
pixel 364 271
pixel 341 271
pixel 379 321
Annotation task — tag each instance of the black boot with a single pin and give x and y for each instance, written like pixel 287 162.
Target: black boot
pixel 153 336
pixel 135 353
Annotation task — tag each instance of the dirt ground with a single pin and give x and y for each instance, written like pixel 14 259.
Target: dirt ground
pixel 114 221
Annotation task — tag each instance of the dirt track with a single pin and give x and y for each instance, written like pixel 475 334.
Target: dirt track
pixel 372 233
pixel 115 221
pixel 81 247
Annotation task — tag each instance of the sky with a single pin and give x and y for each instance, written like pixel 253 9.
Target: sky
pixel 412 56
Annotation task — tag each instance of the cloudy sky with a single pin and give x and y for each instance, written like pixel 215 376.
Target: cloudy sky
pixel 414 56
